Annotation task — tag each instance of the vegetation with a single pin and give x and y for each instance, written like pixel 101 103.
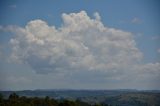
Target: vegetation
pixel 79 98
pixel 15 100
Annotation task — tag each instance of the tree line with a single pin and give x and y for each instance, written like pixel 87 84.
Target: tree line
pixel 15 100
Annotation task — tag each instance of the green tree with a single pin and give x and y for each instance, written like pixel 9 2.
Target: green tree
pixel 68 103
pixel 1 97
pixel 13 96
pixel 1 100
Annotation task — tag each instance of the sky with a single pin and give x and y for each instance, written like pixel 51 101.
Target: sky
pixel 83 44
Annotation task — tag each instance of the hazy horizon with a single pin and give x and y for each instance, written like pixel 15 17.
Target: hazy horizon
pixel 86 89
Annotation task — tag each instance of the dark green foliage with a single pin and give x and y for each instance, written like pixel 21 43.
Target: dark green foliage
pixel 1 97
pixel 15 100
pixel 1 100
pixel 84 97
pixel 68 103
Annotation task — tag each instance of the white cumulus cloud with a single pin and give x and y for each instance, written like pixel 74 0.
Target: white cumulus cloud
pixel 80 45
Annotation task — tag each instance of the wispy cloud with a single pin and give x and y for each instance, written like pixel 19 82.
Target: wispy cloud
pixel 158 50
pixel 155 38
pixel 136 20
pixel 13 6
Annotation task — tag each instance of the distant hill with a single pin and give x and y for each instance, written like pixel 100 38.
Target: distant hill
pixel 113 97
pixel 135 99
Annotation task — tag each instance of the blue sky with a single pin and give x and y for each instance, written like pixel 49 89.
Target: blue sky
pixel 141 18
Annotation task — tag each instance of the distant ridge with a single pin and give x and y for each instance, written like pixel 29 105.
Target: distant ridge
pixel 122 90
